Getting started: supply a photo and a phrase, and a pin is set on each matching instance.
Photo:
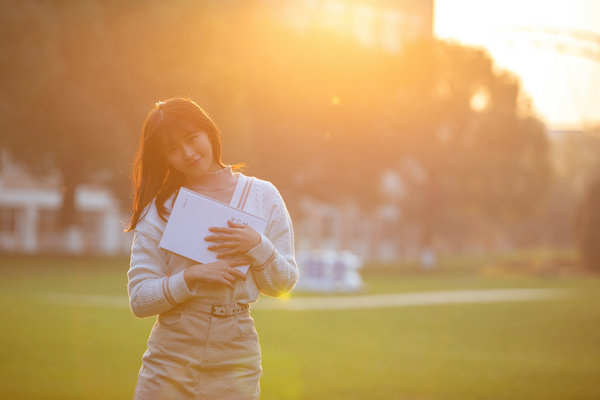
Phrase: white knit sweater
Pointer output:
(156, 281)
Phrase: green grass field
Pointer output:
(513, 350)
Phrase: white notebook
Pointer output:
(188, 224)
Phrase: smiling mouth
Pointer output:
(194, 163)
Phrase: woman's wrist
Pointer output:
(190, 276)
(255, 243)
(262, 251)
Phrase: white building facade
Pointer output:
(29, 215)
(379, 235)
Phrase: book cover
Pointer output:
(188, 224)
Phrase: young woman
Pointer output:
(203, 345)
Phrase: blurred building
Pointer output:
(379, 235)
(29, 212)
(386, 24)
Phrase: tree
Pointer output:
(80, 77)
(333, 115)
(315, 113)
(60, 116)
(588, 227)
(476, 144)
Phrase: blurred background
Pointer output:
(446, 144)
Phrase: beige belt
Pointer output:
(220, 310)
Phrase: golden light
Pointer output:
(480, 100)
(561, 84)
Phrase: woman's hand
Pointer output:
(233, 242)
(222, 272)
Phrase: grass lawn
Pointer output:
(514, 350)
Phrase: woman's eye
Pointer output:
(170, 150)
(193, 137)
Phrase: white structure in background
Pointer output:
(322, 225)
(29, 210)
(329, 271)
(380, 234)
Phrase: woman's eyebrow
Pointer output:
(168, 143)
(174, 137)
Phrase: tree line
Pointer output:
(317, 114)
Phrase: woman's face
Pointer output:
(189, 153)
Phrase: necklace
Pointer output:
(221, 171)
(213, 182)
(197, 188)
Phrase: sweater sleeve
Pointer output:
(274, 266)
(151, 290)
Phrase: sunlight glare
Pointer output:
(561, 85)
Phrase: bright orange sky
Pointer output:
(564, 87)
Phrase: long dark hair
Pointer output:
(152, 177)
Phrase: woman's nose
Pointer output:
(188, 151)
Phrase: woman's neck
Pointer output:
(212, 181)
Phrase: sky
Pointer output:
(533, 38)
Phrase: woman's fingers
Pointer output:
(235, 225)
(227, 283)
(222, 238)
(221, 246)
(238, 237)
(219, 229)
(223, 272)
(232, 275)
(225, 234)
(216, 238)
(232, 227)
(238, 261)
(239, 274)
(228, 254)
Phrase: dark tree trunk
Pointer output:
(71, 178)
(429, 215)
(588, 228)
